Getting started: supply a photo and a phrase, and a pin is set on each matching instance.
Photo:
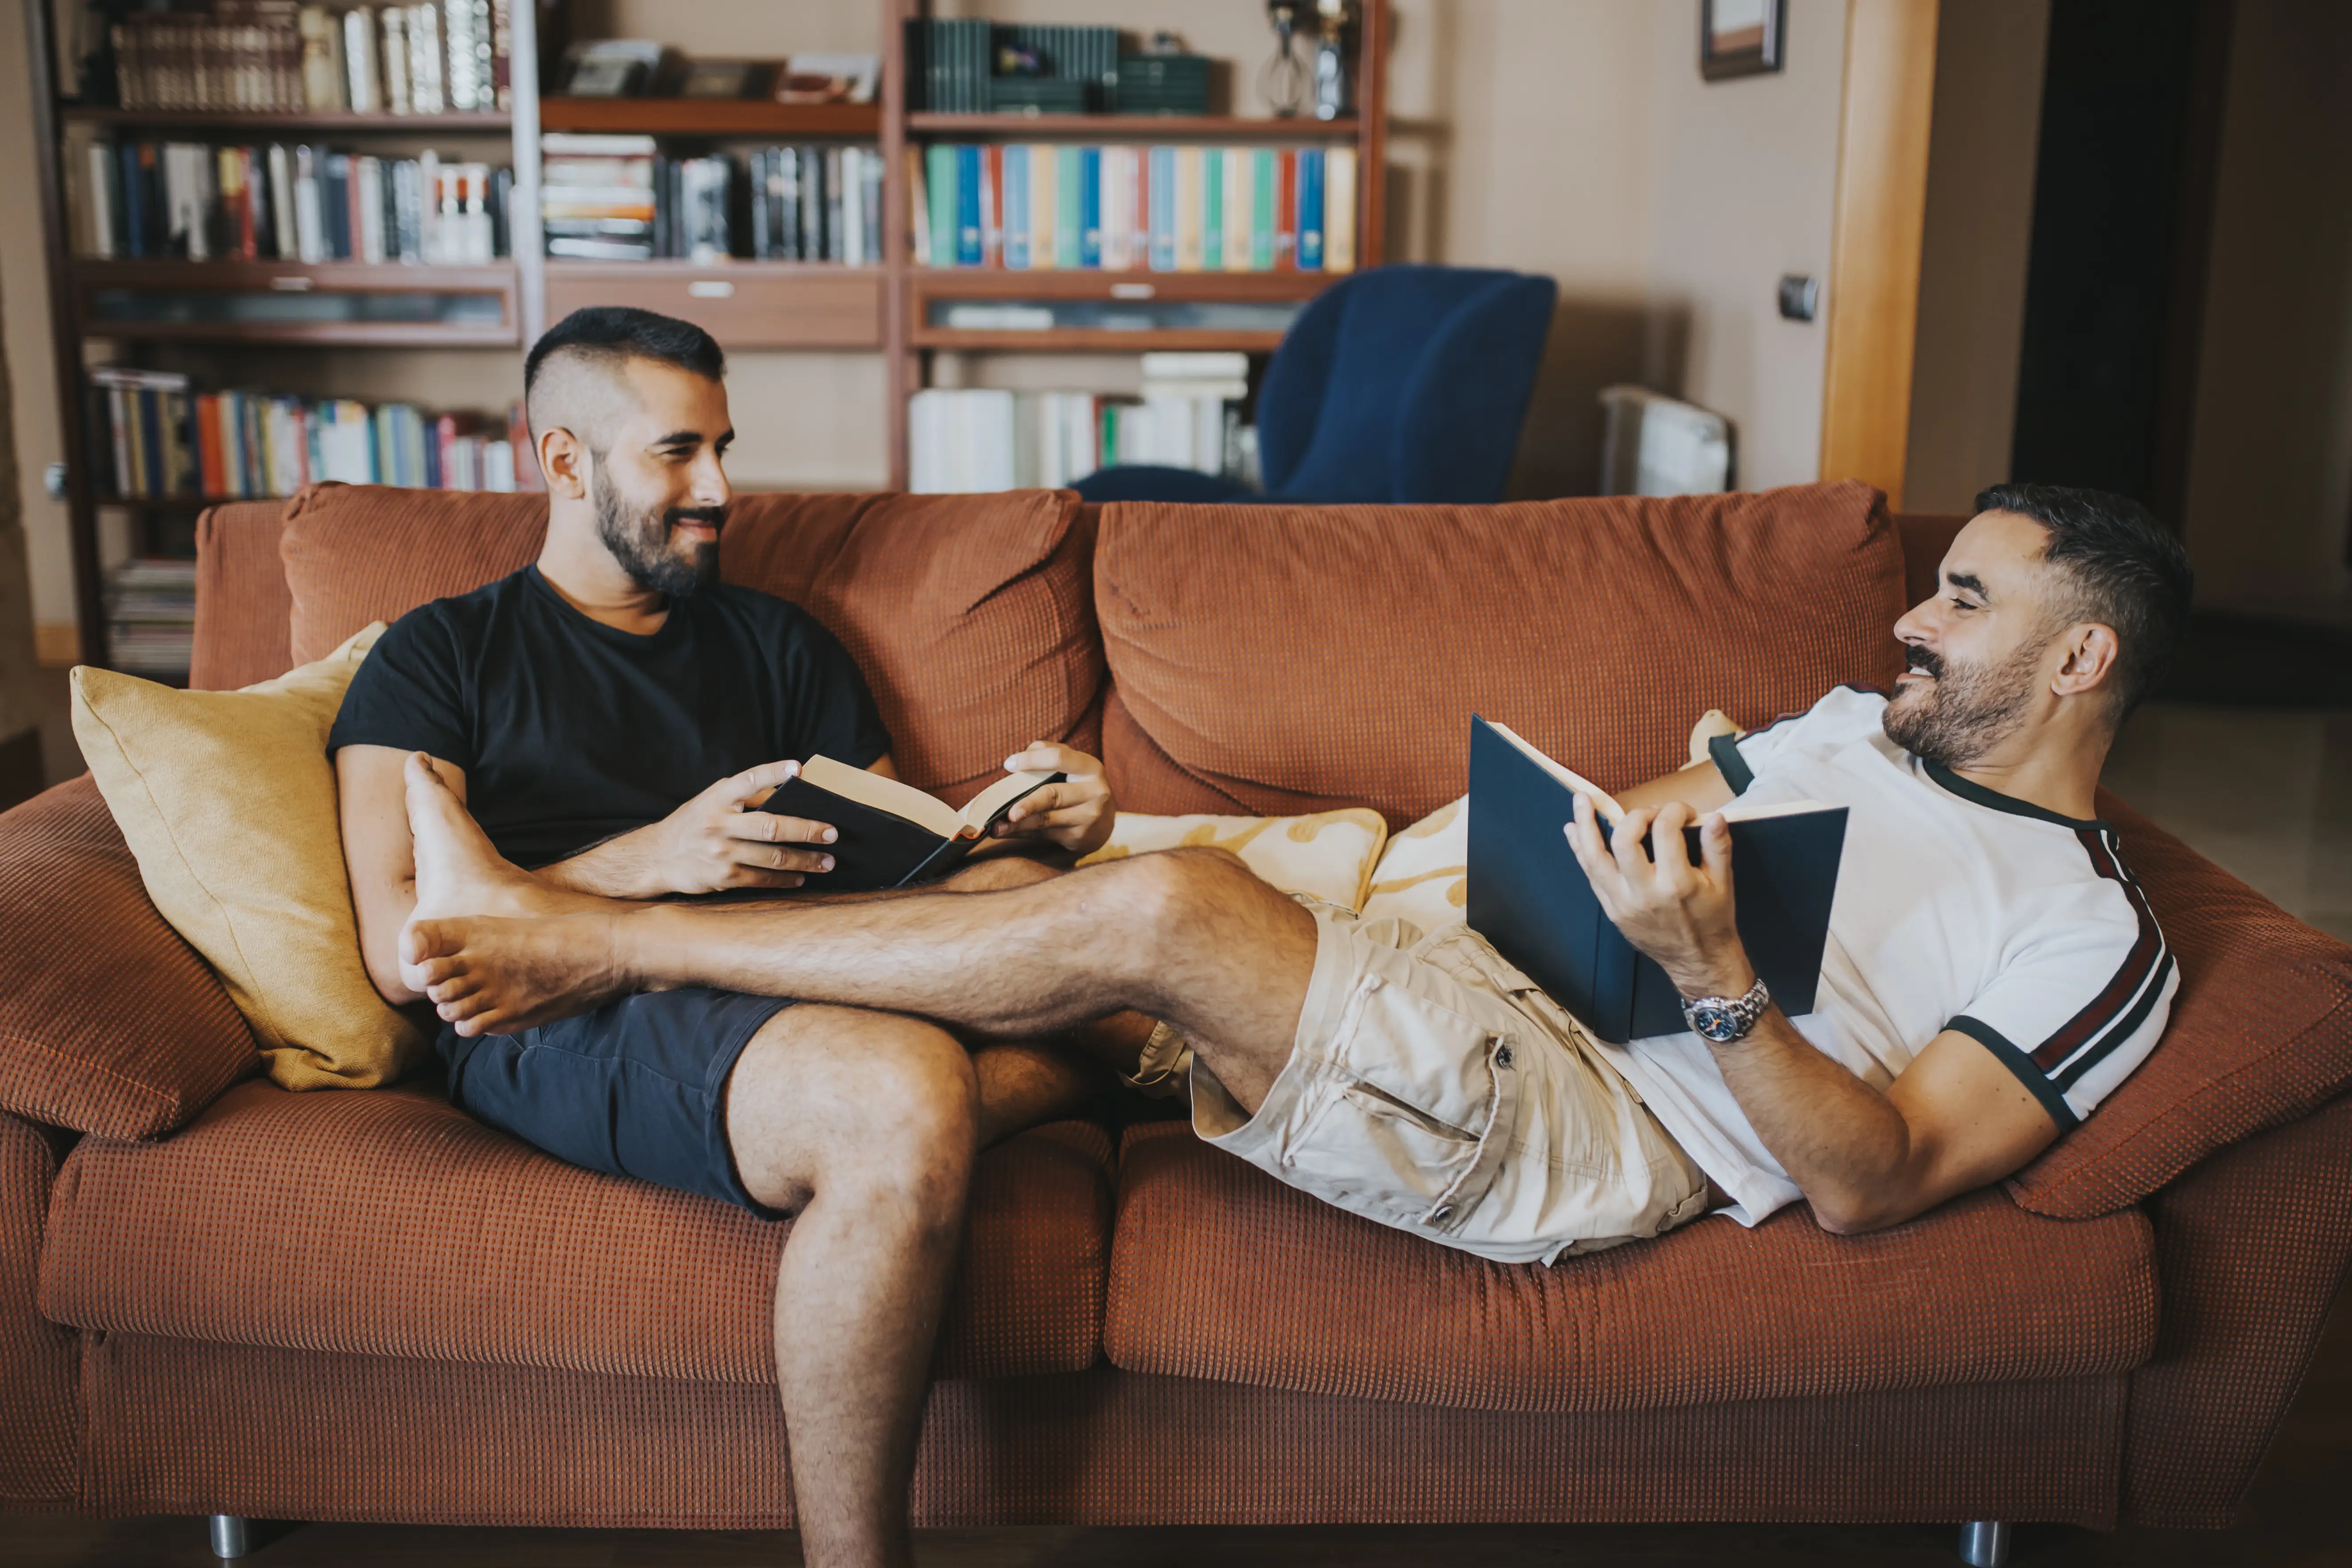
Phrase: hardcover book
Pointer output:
(1532, 901)
(890, 834)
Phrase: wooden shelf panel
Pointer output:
(317, 121)
(315, 334)
(407, 277)
(1134, 127)
(1090, 339)
(743, 304)
(709, 117)
(998, 283)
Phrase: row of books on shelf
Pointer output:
(150, 615)
(277, 203)
(164, 438)
(976, 439)
(1122, 209)
(450, 57)
(616, 198)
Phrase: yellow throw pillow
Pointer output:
(1423, 877)
(1328, 856)
(228, 801)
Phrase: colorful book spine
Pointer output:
(1089, 249)
(1339, 210)
(1213, 209)
(1161, 209)
(1189, 161)
(1310, 210)
(1285, 211)
(1238, 205)
(1264, 194)
(966, 208)
(1044, 205)
(939, 186)
(1018, 227)
(991, 205)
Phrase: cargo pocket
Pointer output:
(1417, 1111)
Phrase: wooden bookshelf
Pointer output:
(1019, 127)
(312, 122)
(714, 118)
(746, 304)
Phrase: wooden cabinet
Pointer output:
(744, 305)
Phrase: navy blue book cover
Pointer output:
(1529, 898)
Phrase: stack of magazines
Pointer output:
(150, 615)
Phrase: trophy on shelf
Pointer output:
(1282, 80)
(1333, 20)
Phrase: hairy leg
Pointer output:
(1189, 935)
(863, 1124)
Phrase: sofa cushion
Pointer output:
(972, 616)
(1219, 1271)
(1328, 856)
(110, 1022)
(229, 803)
(244, 610)
(2260, 1034)
(1288, 659)
(387, 1222)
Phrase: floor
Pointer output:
(2265, 793)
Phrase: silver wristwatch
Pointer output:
(1722, 1021)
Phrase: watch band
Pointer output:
(1724, 1020)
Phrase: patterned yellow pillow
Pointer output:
(1328, 856)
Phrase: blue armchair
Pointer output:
(1402, 384)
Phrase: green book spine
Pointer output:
(939, 185)
(1261, 241)
(1068, 208)
(1213, 209)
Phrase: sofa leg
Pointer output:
(232, 1536)
(1984, 1544)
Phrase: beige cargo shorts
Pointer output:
(1435, 1088)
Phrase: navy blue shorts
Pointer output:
(637, 1087)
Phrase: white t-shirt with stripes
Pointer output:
(1956, 908)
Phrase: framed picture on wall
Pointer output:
(1741, 38)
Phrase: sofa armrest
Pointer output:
(40, 1400)
(2252, 1248)
(110, 1023)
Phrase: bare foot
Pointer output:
(457, 870)
(487, 975)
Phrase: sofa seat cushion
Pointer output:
(1276, 660)
(972, 616)
(1219, 1271)
(2260, 1034)
(387, 1222)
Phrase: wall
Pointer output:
(25, 316)
(1743, 188)
(1988, 117)
(2270, 472)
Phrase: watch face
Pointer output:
(1714, 1023)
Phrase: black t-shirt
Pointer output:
(570, 731)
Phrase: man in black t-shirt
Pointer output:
(611, 716)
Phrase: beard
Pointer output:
(1969, 708)
(640, 540)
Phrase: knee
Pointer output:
(1177, 891)
(909, 1126)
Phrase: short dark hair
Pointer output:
(2127, 571)
(623, 332)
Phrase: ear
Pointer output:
(566, 462)
(2089, 651)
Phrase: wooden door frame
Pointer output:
(1875, 241)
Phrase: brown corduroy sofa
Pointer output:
(220, 1297)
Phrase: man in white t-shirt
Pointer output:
(1992, 970)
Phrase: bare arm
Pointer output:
(379, 856)
(1953, 1121)
(1700, 786)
